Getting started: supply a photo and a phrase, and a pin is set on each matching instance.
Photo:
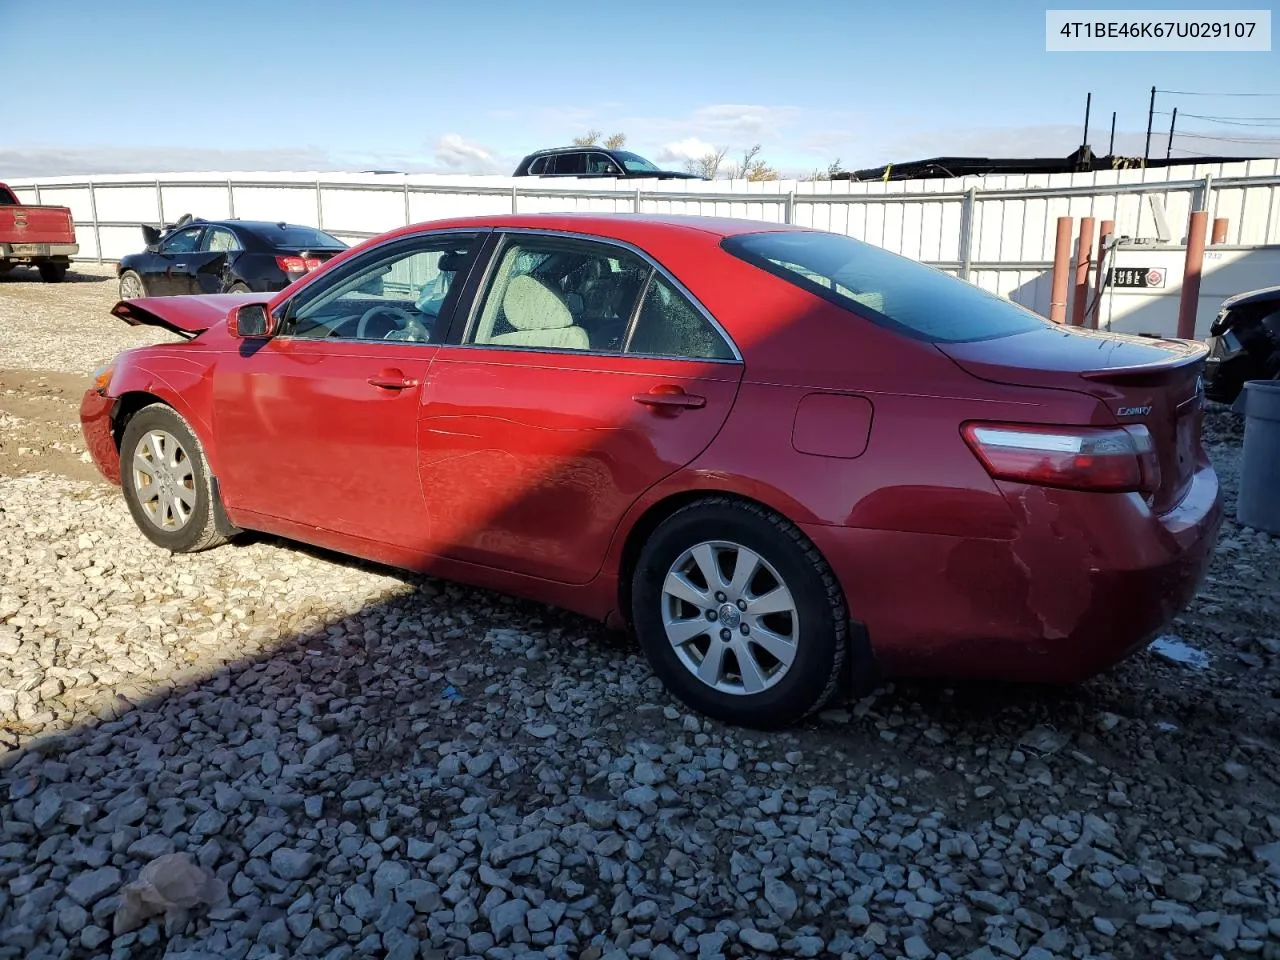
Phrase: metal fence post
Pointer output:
(1206, 192)
(160, 204)
(636, 203)
(319, 208)
(514, 194)
(967, 212)
(93, 211)
(789, 208)
(231, 199)
(407, 219)
(37, 186)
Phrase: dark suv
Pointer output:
(594, 162)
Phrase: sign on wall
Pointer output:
(1136, 277)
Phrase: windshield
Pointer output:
(883, 287)
(294, 237)
(634, 162)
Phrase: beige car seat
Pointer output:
(540, 318)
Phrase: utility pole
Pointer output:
(1151, 115)
(1088, 100)
(1169, 151)
(1111, 146)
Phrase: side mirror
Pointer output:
(251, 321)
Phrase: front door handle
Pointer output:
(670, 399)
(392, 380)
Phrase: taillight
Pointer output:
(298, 264)
(1102, 459)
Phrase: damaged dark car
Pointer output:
(1244, 343)
(223, 256)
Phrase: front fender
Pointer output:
(184, 384)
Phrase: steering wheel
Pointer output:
(412, 328)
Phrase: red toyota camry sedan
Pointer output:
(782, 457)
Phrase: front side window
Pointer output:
(405, 293)
(184, 241)
(598, 163)
(888, 289)
(556, 294)
(537, 165)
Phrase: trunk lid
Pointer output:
(1156, 383)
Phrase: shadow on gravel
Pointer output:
(32, 276)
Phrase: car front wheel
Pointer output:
(131, 286)
(739, 614)
(166, 481)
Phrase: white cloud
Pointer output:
(465, 157)
(690, 148)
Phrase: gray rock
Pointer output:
(91, 886)
(506, 917)
(782, 898)
(759, 941)
(289, 863)
(522, 846)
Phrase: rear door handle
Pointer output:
(392, 380)
(670, 400)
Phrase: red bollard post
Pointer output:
(1219, 230)
(1061, 264)
(1084, 259)
(1190, 299)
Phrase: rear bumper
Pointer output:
(33, 251)
(1083, 585)
(95, 424)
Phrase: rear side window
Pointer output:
(293, 237)
(538, 165)
(571, 164)
(887, 289)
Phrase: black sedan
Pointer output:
(223, 256)
(1244, 343)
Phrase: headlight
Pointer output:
(102, 378)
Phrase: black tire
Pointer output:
(52, 272)
(821, 636)
(238, 287)
(199, 531)
(128, 278)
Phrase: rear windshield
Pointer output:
(888, 289)
(293, 237)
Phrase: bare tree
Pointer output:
(588, 139)
(752, 168)
(832, 171)
(707, 165)
(616, 142)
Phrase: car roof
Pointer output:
(576, 149)
(617, 226)
(250, 224)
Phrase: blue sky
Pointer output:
(470, 87)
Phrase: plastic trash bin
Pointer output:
(1258, 503)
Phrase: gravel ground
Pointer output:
(267, 751)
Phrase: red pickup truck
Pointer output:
(40, 237)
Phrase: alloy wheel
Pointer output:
(730, 617)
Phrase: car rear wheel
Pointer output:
(52, 272)
(739, 614)
(131, 286)
(238, 288)
(166, 481)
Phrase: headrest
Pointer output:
(452, 261)
(531, 306)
